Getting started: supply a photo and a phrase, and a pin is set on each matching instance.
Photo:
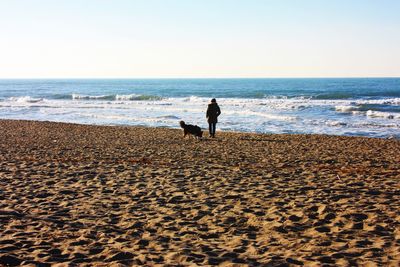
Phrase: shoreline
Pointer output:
(205, 131)
(101, 195)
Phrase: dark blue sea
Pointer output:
(335, 106)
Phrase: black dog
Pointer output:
(191, 129)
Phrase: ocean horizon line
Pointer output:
(196, 78)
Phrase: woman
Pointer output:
(213, 111)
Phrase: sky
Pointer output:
(199, 38)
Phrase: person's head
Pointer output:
(213, 100)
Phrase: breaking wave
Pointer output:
(25, 99)
(130, 97)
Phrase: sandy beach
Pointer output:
(101, 195)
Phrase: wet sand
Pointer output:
(98, 195)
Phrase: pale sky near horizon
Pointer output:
(199, 38)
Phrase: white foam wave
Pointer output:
(355, 112)
(345, 108)
(136, 97)
(117, 97)
(336, 123)
(380, 114)
(126, 97)
(25, 99)
(87, 97)
(261, 115)
(388, 101)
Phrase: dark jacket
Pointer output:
(213, 111)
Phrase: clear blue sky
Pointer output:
(199, 38)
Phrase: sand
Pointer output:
(101, 195)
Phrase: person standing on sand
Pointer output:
(213, 111)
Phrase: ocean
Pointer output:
(335, 106)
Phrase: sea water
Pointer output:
(335, 106)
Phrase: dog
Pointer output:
(191, 129)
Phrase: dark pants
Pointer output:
(211, 128)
